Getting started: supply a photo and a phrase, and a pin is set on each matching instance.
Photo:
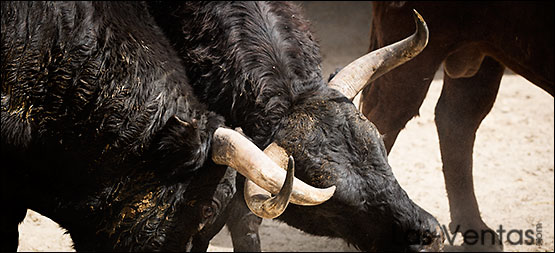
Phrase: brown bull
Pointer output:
(475, 41)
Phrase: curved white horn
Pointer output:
(261, 203)
(364, 70)
(234, 150)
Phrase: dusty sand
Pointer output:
(513, 155)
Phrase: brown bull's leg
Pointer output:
(242, 223)
(395, 98)
(463, 104)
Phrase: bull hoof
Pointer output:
(481, 239)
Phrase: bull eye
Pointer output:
(208, 211)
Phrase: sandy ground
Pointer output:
(513, 155)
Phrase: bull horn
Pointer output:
(261, 203)
(281, 158)
(364, 70)
(234, 150)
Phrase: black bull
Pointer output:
(257, 64)
(93, 135)
(93, 100)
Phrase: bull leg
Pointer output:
(10, 227)
(463, 104)
(14, 210)
(243, 224)
(201, 241)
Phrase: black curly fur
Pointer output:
(100, 130)
(256, 67)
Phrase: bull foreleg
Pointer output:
(12, 188)
(463, 104)
(201, 241)
(243, 224)
(10, 227)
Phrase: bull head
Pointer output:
(271, 86)
(329, 134)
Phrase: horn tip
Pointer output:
(291, 162)
(421, 27)
(417, 14)
(331, 190)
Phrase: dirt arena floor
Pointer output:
(513, 155)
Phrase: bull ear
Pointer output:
(364, 70)
(234, 150)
